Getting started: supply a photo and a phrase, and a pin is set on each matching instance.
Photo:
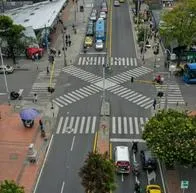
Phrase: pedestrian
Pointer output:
(37, 56)
(35, 98)
(66, 37)
(69, 43)
(47, 70)
(69, 36)
(154, 104)
(41, 124)
(59, 53)
(33, 57)
(132, 79)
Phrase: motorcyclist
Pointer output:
(137, 187)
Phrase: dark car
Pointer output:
(149, 161)
(90, 31)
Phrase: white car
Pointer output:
(7, 69)
(116, 3)
(102, 15)
(99, 45)
(93, 16)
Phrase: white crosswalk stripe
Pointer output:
(77, 125)
(132, 96)
(88, 125)
(82, 74)
(114, 61)
(172, 93)
(76, 95)
(40, 86)
(128, 125)
(126, 76)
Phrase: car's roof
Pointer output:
(99, 41)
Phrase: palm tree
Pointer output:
(10, 187)
(98, 174)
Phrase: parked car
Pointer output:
(93, 16)
(149, 161)
(104, 7)
(8, 69)
(88, 42)
(116, 3)
(102, 14)
(90, 31)
(99, 45)
(153, 189)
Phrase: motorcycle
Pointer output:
(134, 147)
(135, 170)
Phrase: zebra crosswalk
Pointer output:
(128, 125)
(132, 96)
(172, 93)
(77, 124)
(82, 74)
(126, 76)
(40, 86)
(101, 60)
(76, 95)
(89, 125)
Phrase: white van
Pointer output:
(122, 159)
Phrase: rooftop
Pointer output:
(38, 15)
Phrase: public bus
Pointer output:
(100, 29)
(189, 75)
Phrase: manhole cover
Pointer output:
(13, 156)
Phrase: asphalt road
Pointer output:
(67, 154)
(122, 37)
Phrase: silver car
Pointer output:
(99, 45)
(8, 69)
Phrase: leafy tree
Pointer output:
(98, 174)
(10, 187)
(13, 35)
(180, 23)
(172, 137)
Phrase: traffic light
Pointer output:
(160, 94)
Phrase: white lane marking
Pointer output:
(162, 178)
(119, 125)
(142, 123)
(59, 125)
(65, 125)
(76, 124)
(46, 156)
(131, 125)
(62, 187)
(125, 124)
(136, 125)
(93, 125)
(72, 144)
(126, 140)
(82, 124)
(58, 104)
(113, 125)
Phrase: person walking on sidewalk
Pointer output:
(69, 43)
(47, 70)
(154, 104)
(35, 98)
(69, 37)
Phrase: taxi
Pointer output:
(153, 189)
(88, 41)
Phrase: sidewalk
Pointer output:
(14, 142)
